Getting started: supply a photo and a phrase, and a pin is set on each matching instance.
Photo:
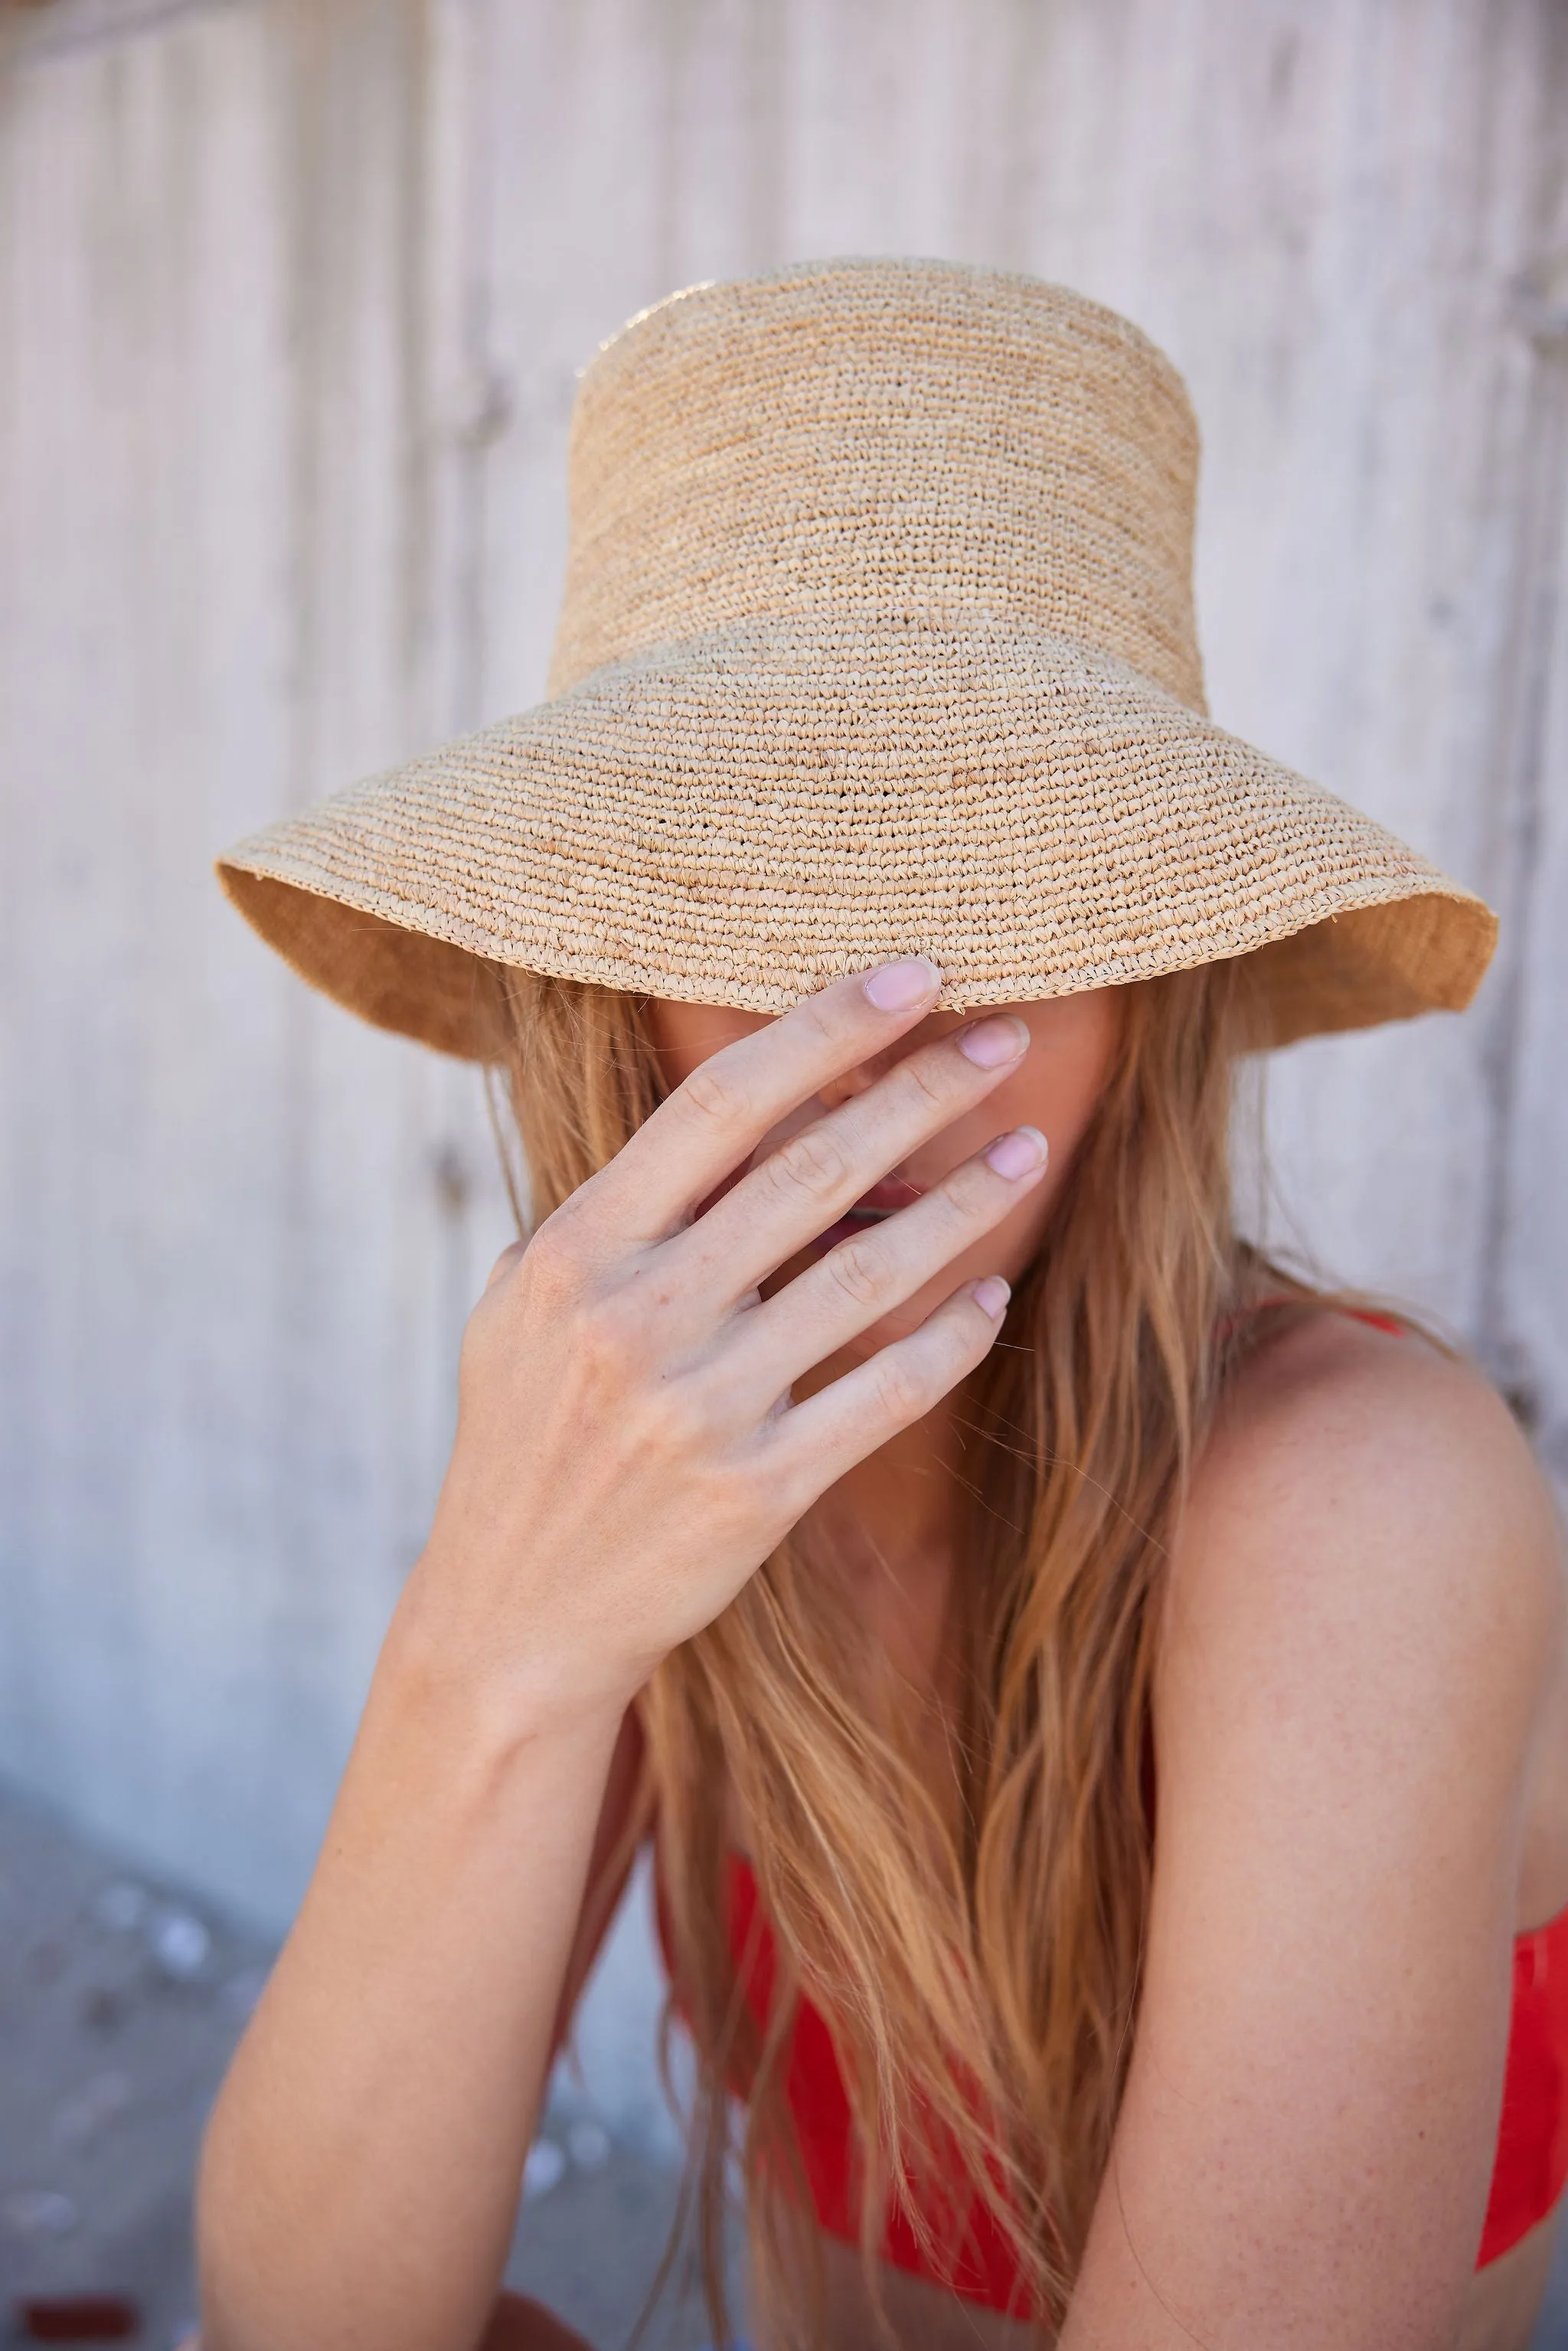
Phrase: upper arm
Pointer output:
(1362, 1604)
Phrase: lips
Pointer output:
(883, 1199)
(892, 1192)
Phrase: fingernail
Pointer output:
(1018, 1153)
(991, 1295)
(989, 1043)
(899, 987)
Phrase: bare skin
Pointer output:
(1362, 1722)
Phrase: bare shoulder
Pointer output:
(1368, 1502)
(1359, 1662)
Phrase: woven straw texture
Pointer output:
(877, 639)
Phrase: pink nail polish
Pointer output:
(1018, 1153)
(900, 987)
(991, 1295)
(991, 1043)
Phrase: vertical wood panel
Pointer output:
(237, 1249)
(1527, 1294)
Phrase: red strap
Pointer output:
(1395, 1328)
(1531, 2168)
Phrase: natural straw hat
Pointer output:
(878, 638)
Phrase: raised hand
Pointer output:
(628, 1450)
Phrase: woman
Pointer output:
(1102, 1738)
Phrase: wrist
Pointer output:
(477, 1684)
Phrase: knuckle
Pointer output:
(810, 1162)
(816, 1019)
(901, 1391)
(679, 1420)
(610, 1340)
(924, 1077)
(555, 1262)
(859, 1270)
(511, 1257)
(717, 1093)
(968, 1190)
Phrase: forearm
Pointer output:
(622, 1468)
(361, 2172)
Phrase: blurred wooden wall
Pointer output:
(292, 293)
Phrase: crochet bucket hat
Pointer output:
(877, 639)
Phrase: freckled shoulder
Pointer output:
(1353, 1680)
(1360, 1486)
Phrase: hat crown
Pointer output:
(882, 440)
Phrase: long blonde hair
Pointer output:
(975, 1937)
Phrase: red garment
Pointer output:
(1529, 2175)
(980, 2263)
(1531, 2166)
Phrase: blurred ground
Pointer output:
(120, 2002)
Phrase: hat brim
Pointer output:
(738, 818)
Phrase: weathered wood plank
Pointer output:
(240, 1232)
(1527, 1270)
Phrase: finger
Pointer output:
(822, 1438)
(716, 1118)
(867, 1276)
(805, 1186)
